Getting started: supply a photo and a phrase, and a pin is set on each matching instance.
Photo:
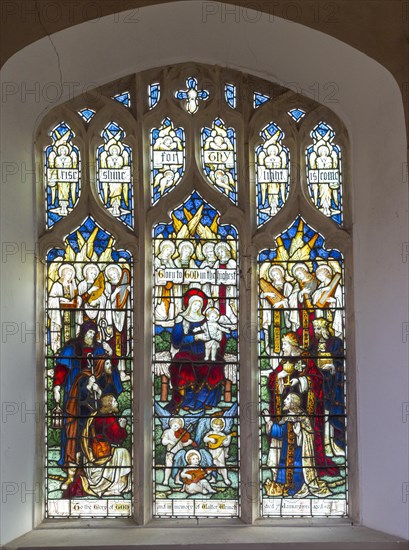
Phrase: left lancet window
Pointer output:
(88, 376)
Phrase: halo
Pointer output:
(115, 268)
(195, 292)
(62, 267)
(278, 268)
(169, 243)
(208, 245)
(221, 245)
(296, 266)
(191, 453)
(87, 267)
(180, 421)
(219, 419)
(324, 267)
(188, 244)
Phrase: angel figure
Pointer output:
(271, 155)
(195, 472)
(114, 156)
(216, 433)
(63, 162)
(167, 158)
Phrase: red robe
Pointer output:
(312, 402)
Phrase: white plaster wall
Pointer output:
(369, 103)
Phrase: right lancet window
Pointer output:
(302, 376)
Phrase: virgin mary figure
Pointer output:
(196, 383)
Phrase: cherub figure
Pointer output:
(194, 476)
(175, 438)
(218, 442)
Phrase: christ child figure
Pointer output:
(211, 333)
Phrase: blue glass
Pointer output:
(230, 95)
(272, 173)
(167, 158)
(192, 95)
(62, 174)
(219, 158)
(324, 174)
(153, 95)
(124, 98)
(296, 114)
(114, 174)
(259, 99)
(86, 114)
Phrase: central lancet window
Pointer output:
(181, 207)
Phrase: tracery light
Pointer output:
(218, 145)
(324, 175)
(114, 174)
(62, 163)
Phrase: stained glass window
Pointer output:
(153, 94)
(114, 174)
(302, 376)
(259, 99)
(62, 174)
(195, 367)
(124, 98)
(272, 173)
(86, 114)
(230, 95)
(88, 376)
(187, 198)
(167, 158)
(296, 114)
(324, 175)
(219, 158)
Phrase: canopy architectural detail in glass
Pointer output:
(302, 376)
(192, 95)
(272, 173)
(167, 158)
(114, 174)
(62, 172)
(195, 364)
(323, 159)
(219, 158)
(88, 367)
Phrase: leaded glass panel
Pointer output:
(114, 174)
(272, 173)
(324, 174)
(219, 158)
(195, 368)
(62, 174)
(88, 376)
(167, 158)
(302, 376)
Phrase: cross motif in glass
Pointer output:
(192, 95)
